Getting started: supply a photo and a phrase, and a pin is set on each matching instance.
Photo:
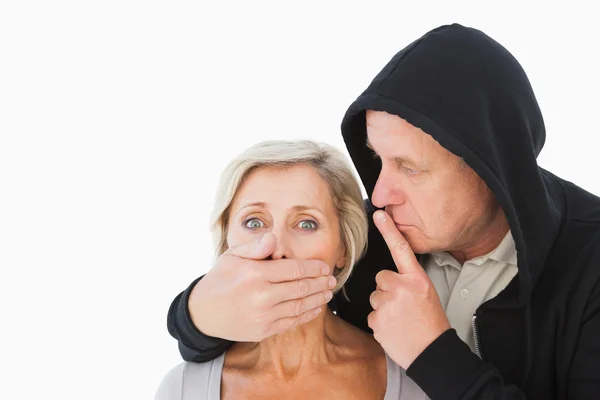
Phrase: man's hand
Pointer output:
(408, 315)
(245, 298)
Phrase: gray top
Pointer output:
(462, 288)
(202, 381)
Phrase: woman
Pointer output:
(305, 195)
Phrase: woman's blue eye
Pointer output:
(307, 225)
(254, 223)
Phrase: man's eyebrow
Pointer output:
(398, 159)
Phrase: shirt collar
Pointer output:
(506, 252)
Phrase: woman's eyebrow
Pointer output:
(296, 208)
(300, 208)
(259, 204)
(255, 204)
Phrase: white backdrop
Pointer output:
(116, 118)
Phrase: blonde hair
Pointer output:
(331, 166)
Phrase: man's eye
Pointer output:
(410, 171)
(253, 223)
(307, 225)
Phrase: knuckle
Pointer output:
(299, 307)
(372, 298)
(261, 299)
(323, 299)
(400, 245)
(371, 320)
(423, 285)
(302, 288)
(261, 322)
(298, 270)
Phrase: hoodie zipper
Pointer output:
(476, 337)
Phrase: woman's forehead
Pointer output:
(299, 187)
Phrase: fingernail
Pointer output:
(328, 296)
(379, 216)
(326, 269)
(332, 282)
(317, 311)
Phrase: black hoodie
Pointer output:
(540, 337)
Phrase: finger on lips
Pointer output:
(403, 256)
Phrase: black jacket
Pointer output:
(540, 337)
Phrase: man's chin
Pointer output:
(416, 243)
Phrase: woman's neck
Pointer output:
(296, 351)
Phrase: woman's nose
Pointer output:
(281, 245)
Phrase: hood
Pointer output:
(472, 96)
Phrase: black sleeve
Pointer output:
(447, 369)
(193, 344)
(584, 376)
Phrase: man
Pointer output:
(482, 276)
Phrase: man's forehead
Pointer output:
(385, 120)
(420, 148)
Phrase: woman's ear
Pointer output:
(341, 262)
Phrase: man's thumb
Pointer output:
(255, 250)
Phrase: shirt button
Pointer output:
(464, 293)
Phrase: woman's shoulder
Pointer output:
(171, 385)
(190, 380)
(400, 385)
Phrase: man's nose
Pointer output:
(386, 192)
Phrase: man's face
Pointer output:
(437, 202)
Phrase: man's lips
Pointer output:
(401, 226)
